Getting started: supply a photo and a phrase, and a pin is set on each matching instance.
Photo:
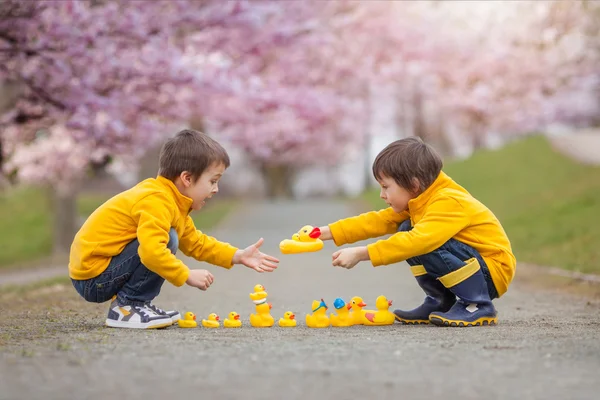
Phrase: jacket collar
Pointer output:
(184, 203)
(440, 182)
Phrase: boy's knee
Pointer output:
(405, 226)
(173, 244)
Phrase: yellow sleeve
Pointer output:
(194, 243)
(153, 216)
(365, 226)
(443, 219)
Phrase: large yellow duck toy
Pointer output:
(212, 321)
(343, 314)
(306, 240)
(188, 320)
(318, 318)
(382, 316)
(232, 320)
(262, 318)
(288, 320)
(357, 314)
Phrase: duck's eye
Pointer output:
(305, 231)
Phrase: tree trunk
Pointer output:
(65, 223)
(279, 180)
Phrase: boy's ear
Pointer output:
(186, 178)
(416, 185)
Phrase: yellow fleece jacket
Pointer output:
(443, 211)
(146, 212)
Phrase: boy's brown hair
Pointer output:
(407, 159)
(190, 151)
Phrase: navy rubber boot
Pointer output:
(438, 299)
(474, 306)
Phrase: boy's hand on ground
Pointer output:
(348, 258)
(325, 233)
(253, 258)
(200, 278)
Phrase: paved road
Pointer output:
(547, 346)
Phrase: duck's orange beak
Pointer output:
(349, 306)
(362, 304)
(292, 316)
(217, 318)
(315, 233)
(236, 317)
(270, 306)
(389, 302)
(194, 317)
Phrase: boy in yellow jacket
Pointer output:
(456, 247)
(126, 248)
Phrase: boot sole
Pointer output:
(483, 321)
(413, 321)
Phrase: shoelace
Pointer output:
(155, 309)
(144, 311)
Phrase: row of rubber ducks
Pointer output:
(352, 313)
(232, 320)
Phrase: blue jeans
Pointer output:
(125, 277)
(448, 258)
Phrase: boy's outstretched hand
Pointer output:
(253, 258)
(348, 258)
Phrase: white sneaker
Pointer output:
(135, 317)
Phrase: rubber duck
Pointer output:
(343, 314)
(382, 316)
(357, 313)
(212, 321)
(232, 320)
(318, 318)
(288, 320)
(260, 295)
(305, 240)
(188, 320)
(262, 318)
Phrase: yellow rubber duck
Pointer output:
(260, 295)
(382, 316)
(188, 320)
(262, 318)
(343, 314)
(212, 321)
(232, 320)
(306, 240)
(288, 320)
(318, 318)
(357, 313)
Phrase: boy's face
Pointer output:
(394, 195)
(205, 187)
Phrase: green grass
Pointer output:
(548, 204)
(26, 216)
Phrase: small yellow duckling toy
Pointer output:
(212, 321)
(382, 316)
(260, 295)
(318, 319)
(343, 317)
(188, 321)
(357, 313)
(306, 240)
(262, 318)
(288, 320)
(232, 321)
